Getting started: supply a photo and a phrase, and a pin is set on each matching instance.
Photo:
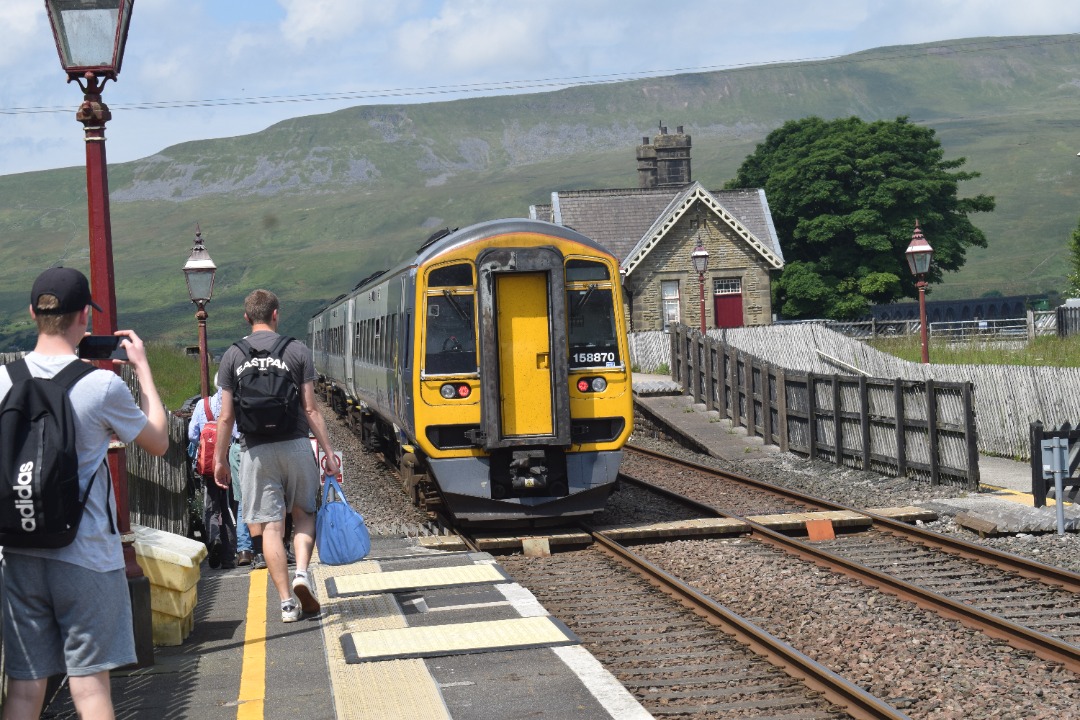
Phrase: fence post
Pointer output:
(811, 414)
(931, 424)
(901, 436)
(733, 380)
(838, 424)
(864, 421)
(1038, 484)
(748, 388)
(722, 360)
(1030, 324)
(710, 374)
(971, 437)
(766, 404)
(781, 408)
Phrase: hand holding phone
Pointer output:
(101, 347)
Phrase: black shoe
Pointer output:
(214, 558)
(258, 562)
(290, 558)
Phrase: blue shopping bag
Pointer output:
(340, 533)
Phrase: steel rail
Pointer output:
(1018, 636)
(1025, 567)
(839, 691)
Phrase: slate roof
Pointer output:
(628, 222)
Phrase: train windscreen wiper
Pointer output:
(457, 308)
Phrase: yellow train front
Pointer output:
(493, 366)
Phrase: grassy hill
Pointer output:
(311, 205)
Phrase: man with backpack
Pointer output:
(66, 608)
(268, 390)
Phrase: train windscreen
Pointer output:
(451, 334)
(591, 327)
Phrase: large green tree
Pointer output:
(845, 195)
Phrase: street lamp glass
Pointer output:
(199, 273)
(700, 258)
(90, 34)
(918, 256)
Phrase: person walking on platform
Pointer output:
(222, 527)
(268, 390)
(66, 610)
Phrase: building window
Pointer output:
(727, 286)
(669, 292)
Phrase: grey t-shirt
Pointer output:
(297, 358)
(103, 406)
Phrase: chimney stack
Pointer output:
(666, 161)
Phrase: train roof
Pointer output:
(444, 240)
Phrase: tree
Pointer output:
(845, 195)
(1073, 289)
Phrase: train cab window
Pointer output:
(585, 270)
(591, 327)
(451, 276)
(451, 333)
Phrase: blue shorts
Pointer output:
(275, 477)
(63, 618)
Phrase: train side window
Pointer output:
(591, 327)
(586, 271)
(458, 275)
(450, 334)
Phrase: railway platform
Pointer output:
(1004, 504)
(412, 632)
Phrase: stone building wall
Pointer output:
(729, 256)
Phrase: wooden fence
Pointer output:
(159, 488)
(924, 429)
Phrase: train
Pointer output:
(492, 367)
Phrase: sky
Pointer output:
(197, 69)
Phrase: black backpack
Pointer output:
(266, 399)
(40, 505)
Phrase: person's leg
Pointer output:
(91, 695)
(273, 535)
(303, 537)
(212, 523)
(24, 699)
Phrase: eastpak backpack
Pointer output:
(40, 504)
(266, 398)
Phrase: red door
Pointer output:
(728, 310)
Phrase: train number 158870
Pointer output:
(592, 358)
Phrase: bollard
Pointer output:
(1055, 452)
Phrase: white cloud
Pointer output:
(310, 22)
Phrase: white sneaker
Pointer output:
(305, 595)
(291, 612)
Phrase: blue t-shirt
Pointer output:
(103, 407)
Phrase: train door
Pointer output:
(525, 399)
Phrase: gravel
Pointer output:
(862, 489)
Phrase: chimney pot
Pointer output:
(645, 140)
(663, 130)
(679, 129)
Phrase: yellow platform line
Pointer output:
(253, 670)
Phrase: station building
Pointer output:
(654, 228)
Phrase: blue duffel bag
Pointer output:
(340, 533)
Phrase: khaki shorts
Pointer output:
(277, 477)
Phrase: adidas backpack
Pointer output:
(266, 399)
(204, 457)
(40, 504)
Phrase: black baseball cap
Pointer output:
(68, 285)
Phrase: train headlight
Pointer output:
(599, 384)
(448, 391)
(593, 384)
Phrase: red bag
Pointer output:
(204, 459)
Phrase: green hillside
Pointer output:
(311, 205)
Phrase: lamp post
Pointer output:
(700, 258)
(90, 36)
(199, 273)
(918, 255)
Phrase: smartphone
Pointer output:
(101, 347)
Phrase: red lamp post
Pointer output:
(700, 258)
(199, 273)
(918, 255)
(90, 36)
